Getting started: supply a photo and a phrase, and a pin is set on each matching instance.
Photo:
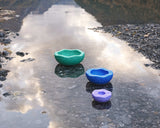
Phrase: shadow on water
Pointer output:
(69, 71)
(90, 87)
(101, 106)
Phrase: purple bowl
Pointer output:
(101, 95)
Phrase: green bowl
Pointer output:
(69, 57)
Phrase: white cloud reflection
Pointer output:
(65, 27)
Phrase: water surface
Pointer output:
(43, 99)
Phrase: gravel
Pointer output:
(20, 54)
(144, 38)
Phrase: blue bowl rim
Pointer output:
(88, 72)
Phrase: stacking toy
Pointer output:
(69, 57)
(101, 95)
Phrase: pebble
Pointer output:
(6, 41)
(2, 78)
(28, 60)
(2, 34)
(5, 53)
(20, 54)
(147, 65)
(143, 38)
(4, 72)
(9, 58)
(6, 94)
(43, 112)
(17, 34)
(1, 85)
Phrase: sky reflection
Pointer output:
(66, 101)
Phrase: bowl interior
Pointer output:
(101, 93)
(69, 52)
(100, 72)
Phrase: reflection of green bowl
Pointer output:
(69, 56)
(69, 71)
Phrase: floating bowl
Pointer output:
(101, 95)
(99, 75)
(69, 57)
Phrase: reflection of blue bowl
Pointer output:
(99, 75)
(90, 87)
(101, 95)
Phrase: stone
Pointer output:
(6, 41)
(2, 34)
(1, 85)
(2, 78)
(28, 60)
(20, 54)
(17, 34)
(4, 72)
(5, 53)
(6, 94)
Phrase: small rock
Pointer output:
(17, 34)
(2, 34)
(2, 78)
(6, 94)
(44, 112)
(4, 72)
(147, 65)
(43, 91)
(17, 16)
(1, 85)
(20, 54)
(6, 41)
(9, 58)
(5, 53)
(28, 60)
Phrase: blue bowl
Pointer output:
(99, 75)
(101, 95)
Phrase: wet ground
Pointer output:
(144, 38)
(135, 21)
(39, 93)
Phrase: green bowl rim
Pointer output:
(81, 53)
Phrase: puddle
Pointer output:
(66, 100)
